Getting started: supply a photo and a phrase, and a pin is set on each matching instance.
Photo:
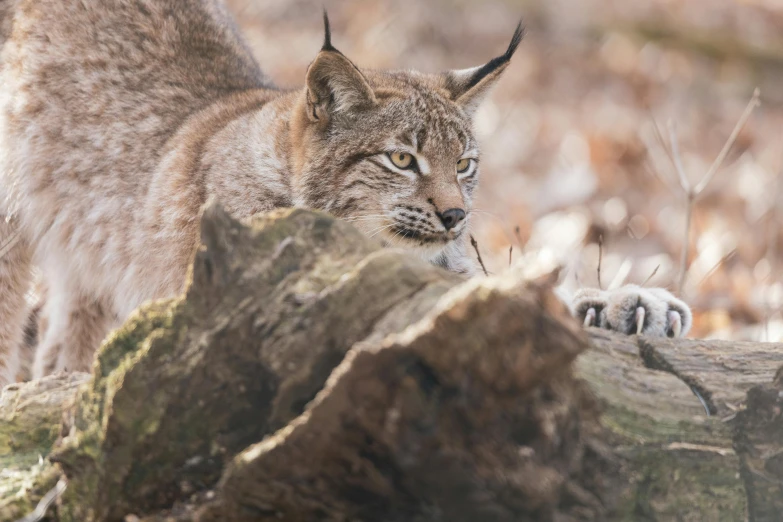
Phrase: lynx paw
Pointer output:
(632, 309)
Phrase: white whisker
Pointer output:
(363, 218)
(381, 229)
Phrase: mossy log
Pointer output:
(30, 420)
(307, 374)
(678, 458)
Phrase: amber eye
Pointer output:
(463, 165)
(402, 160)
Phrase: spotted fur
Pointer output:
(120, 118)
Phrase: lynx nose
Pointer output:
(452, 217)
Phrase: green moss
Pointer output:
(117, 358)
(643, 406)
(23, 484)
(680, 462)
(682, 485)
(637, 427)
(117, 355)
(15, 441)
(124, 411)
(123, 345)
(120, 413)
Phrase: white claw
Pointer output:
(590, 317)
(639, 320)
(675, 320)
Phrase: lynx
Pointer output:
(634, 310)
(120, 118)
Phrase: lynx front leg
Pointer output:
(35, 326)
(74, 330)
(15, 279)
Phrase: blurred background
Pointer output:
(569, 150)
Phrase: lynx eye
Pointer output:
(463, 165)
(402, 160)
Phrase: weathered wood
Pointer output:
(676, 463)
(309, 375)
(272, 309)
(721, 371)
(30, 416)
(450, 420)
(758, 440)
(37, 404)
(740, 446)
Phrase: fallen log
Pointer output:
(30, 418)
(307, 374)
(759, 444)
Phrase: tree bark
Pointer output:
(307, 374)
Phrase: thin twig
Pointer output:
(600, 259)
(717, 265)
(690, 192)
(686, 242)
(46, 502)
(752, 104)
(659, 137)
(651, 275)
(518, 235)
(621, 275)
(474, 243)
(654, 148)
(650, 168)
(677, 159)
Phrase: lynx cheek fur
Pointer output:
(120, 118)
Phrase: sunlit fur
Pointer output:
(619, 310)
(350, 175)
(119, 119)
(351, 120)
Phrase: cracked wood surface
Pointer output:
(676, 462)
(722, 371)
(726, 466)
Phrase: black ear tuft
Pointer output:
(327, 46)
(519, 34)
(489, 67)
(334, 83)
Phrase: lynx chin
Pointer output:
(119, 119)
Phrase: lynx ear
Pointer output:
(334, 83)
(468, 87)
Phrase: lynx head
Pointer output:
(392, 151)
